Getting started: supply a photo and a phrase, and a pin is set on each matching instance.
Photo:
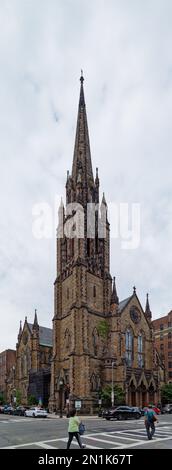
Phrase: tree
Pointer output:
(18, 397)
(32, 400)
(166, 393)
(106, 393)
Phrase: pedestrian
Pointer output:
(73, 429)
(150, 419)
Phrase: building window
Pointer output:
(169, 335)
(170, 374)
(129, 347)
(170, 365)
(169, 353)
(169, 324)
(170, 345)
(68, 293)
(94, 291)
(140, 351)
(161, 326)
(161, 347)
(161, 336)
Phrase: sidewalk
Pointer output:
(54, 416)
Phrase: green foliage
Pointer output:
(119, 395)
(103, 328)
(2, 401)
(32, 400)
(166, 393)
(18, 397)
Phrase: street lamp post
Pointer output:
(61, 397)
(112, 393)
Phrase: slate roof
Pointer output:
(123, 303)
(45, 335)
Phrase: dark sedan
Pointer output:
(19, 411)
(123, 412)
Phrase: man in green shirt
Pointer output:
(150, 419)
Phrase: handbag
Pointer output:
(81, 429)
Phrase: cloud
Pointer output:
(124, 49)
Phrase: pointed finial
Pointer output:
(35, 318)
(114, 297)
(97, 173)
(25, 319)
(104, 200)
(81, 77)
(148, 312)
(67, 174)
(134, 290)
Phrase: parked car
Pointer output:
(36, 412)
(19, 411)
(1, 408)
(123, 412)
(167, 408)
(8, 410)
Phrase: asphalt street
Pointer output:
(51, 433)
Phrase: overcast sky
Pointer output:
(124, 48)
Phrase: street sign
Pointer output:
(78, 404)
(100, 401)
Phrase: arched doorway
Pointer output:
(132, 391)
(142, 395)
(151, 394)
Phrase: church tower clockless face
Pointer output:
(135, 315)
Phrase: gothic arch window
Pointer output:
(140, 343)
(28, 359)
(22, 365)
(95, 338)
(93, 383)
(129, 349)
(94, 291)
(169, 335)
(67, 292)
(67, 339)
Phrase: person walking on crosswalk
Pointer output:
(73, 430)
(150, 419)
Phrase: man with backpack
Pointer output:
(150, 419)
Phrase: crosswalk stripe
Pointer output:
(46, 446)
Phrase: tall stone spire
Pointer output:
(35, 324)
(114, 297)
(148, 312)
(82, 167)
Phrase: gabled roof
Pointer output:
(45, 335)
(123, 303)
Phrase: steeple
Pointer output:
(82, 166)
(114, 297)
(148, 312)
(35, 324)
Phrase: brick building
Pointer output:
(163, 341)
(95, 335)
(7, 364)
(33, 356)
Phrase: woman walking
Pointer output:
(73, 430)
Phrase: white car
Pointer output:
(36, 412)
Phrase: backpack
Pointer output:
(151, 417)
(81, 429)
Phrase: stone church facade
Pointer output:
(33, 358)
(95, 335)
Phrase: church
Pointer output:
(33, 358)
(95, 336)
